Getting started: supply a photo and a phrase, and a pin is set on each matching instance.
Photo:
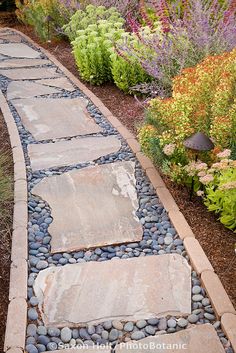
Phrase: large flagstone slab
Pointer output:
(28, 89)
(47, 118)
(198, 339)
(18, 50)
(29, 73)
(128, 289)
(92, 207)
(64, 153)
(61, 82)
(15, 63)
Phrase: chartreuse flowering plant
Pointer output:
(89, 16)
(217, 185)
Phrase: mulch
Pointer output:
(217, 241)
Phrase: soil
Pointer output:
(6, 213)
(217, 241)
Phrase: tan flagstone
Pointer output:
(29, 73)
(61, 82)
(92, 207)
(47, 118)
(64, 153)
(128, 289)
(14, 38)
(84, 349)
(198, 339)
(18, 50)
(16, 63)
(27, 89)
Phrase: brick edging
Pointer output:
(216, 292)
(17, 308)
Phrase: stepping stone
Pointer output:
(27, 89)
(64, 153)
(128, 289)
(14, 38)
(14, 63)
(18, 50)
(198, 339)
(30, 74)
(92, 207)
(61, 82)
(48, 118)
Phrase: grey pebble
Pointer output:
(66, 334)
(107, 325)
(153, 322)
(51, 346)
(129, 326)
(141, 323)
(196, 290)
(30, 348)
(117, 325)
(31, 330)
(197, 297)
(113, 335)
(171, 323)
(162, 326)
(34, 301)
(41, 330)
(150, 330)
(193, 318)
(32, 314)
(209, 316)
(137, 335)
(41, 265)
(54, 332)
(182, 322)
(205, 301)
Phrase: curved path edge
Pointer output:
(16, 323)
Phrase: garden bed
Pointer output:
(216, 240)
(6, 212)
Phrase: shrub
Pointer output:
(46, 16)
(91, 15)
(126, 70)
(199, 29)
(217, 185)
(203, 100)
(92, 50)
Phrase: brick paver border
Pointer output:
(197, 256)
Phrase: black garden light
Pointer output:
(48, 19)
(198, 142)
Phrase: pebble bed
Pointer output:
(159, 237)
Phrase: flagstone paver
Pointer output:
(28, 89)
(43, 156)
(55, 118)
(199, 339)
(92, 207)
(29, 73)
(15, 63)
(14, 38)
(61, 82)
(130, 289)
(18, 50)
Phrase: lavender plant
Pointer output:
(199, 29)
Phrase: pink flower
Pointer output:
(169, 149)
(224, 154)
(200, 193)
(206, 179)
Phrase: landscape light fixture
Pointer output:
(198, 142)
(48, 19)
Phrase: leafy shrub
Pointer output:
(126, 70)
(199, 29)
(46, 16)
(203, 100)
(217, 185)
(124, 7)
(92, 50)
(91, 15)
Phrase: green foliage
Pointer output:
(47, 17)
(126, 70)
(91, 15)
(92, 49)
(6, 191)
(221, 196)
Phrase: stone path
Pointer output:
(106, 266)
